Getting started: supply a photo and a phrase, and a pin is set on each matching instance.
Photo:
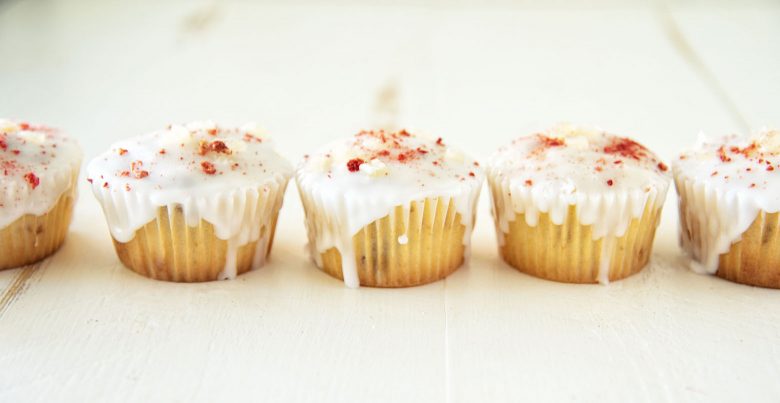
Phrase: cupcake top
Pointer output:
(379, 170)
(571, 160)
(194, 165)
(745, 166)
(37, 165)
(609, 178)
(190, 160)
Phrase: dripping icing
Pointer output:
(38, 164)
(229, 177)
(358, 180)
(609, 179)
(726, 182)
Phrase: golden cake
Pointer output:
(729, 199)
(389, 209)
(39, 168)
(576, 205)
(195, 202)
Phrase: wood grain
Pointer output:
(17, 286)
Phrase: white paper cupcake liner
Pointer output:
(711, 221)
(608, 216)
(239, 217)
(334, 223)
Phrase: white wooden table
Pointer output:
(80, 327)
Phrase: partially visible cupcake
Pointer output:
(729, 197)
(191, 203)
(389, 209)
(576, 205)
(39, 168)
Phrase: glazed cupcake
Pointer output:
(729, 199)
(576, 205)
(191, 203)
(389, 209)
(39, 168)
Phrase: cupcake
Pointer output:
(39, 169)
(729, 198)
(389, 209)
(191, 203)
(576, 205)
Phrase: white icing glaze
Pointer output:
(609, 179)
(726, 183)
(37, 165)
(229, 177)
(397, 169)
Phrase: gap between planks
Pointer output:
(686, 51)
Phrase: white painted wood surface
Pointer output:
(80, 327)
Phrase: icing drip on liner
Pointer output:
(609, 214)
(230, 178)
(38, 164)
(347, 215)
(726, 183)
(238, 216)
(353, 182)
(609, 179)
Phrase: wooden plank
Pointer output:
(92, 330)
(649, 338)
(742, 52)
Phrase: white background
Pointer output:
(80, 327)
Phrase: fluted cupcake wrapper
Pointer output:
(32, 238)
(169, 248)
(755, 259)
(415, 244)
(568, 252)
(750, 256)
